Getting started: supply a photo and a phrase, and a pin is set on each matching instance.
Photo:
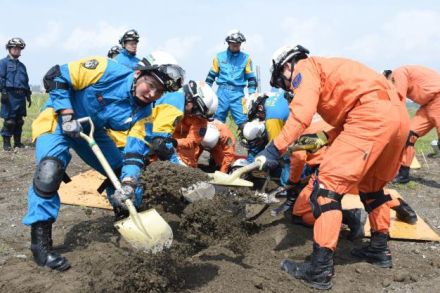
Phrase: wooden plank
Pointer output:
(81, 191)
(398, 230)
(415, 164)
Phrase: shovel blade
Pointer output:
(220, 178)
(157, 236)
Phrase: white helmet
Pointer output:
(281, 57)
(163, 66)
(235, 36)
(254, 134)
(211, 137)
(255, 105)
(204, 99)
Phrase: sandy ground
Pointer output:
(214, 251)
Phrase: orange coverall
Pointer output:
(223, 153)
(189, 134)
(370, 128)
(422, 86)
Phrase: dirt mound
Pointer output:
(162, 182)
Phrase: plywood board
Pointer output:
(415, 164)
(81, 191)
(398, 230)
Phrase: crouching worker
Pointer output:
(220, 143)
(114, 97)
(370, 128)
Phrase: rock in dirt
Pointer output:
(401, 276)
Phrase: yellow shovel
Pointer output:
(220, 178)
(147, 230)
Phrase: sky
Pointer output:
(381, 34)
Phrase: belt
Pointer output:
(231, 87)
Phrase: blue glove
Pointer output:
(269, 157)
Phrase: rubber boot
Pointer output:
(405, 213)
(291, 195)
(377, 252)
(355, 220)
(41, 247)
(120, 213)
(7, 143)
(403, 175)
(17, 141)
(316, 273)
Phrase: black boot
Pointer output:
(377, 252)
(355, 220)
(41, 247)
(405, 213)
(403, 176)
(120, 213)
(317, 272)
(7, 143)
(291, 195)
(17, 141)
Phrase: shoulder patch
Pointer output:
(202, 132)
(90, 64)
(297, 80)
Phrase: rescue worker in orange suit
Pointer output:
(370, 126)
(422, 86)
(189, 132)
(220, 143)
(353, 218)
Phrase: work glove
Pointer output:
(28, 99)
(315, 141)
(120, 196)
(5, 97)
(268, 158)
(71, 127)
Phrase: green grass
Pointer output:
(423, 144)
(32, 112)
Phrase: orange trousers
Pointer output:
(426, 118)
(365, 154)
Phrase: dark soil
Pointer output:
(214, 249)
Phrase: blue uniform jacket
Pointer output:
(233, 69)
(127, 59)
(13, 74)
(101, 89)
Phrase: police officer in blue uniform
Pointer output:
(127, 56)
(15, 90)
(114, 97)
(232, 70)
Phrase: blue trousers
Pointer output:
(58, 145)
(230, 98)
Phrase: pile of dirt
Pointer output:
(162, 182)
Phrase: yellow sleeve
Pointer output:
(86, 71)
(248, 68)
(273, 128)
(165, 118)
(215, 66)
(119, 137)
(139, 128)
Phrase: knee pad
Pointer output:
(19, 123)
(9, 125)
(318, 209)
(376, 199)
(412, 138)
(48, 176)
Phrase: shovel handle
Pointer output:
(237, 173)
(97, 151)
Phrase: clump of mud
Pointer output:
(219, 221)
(162, 182)
(151, 273)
